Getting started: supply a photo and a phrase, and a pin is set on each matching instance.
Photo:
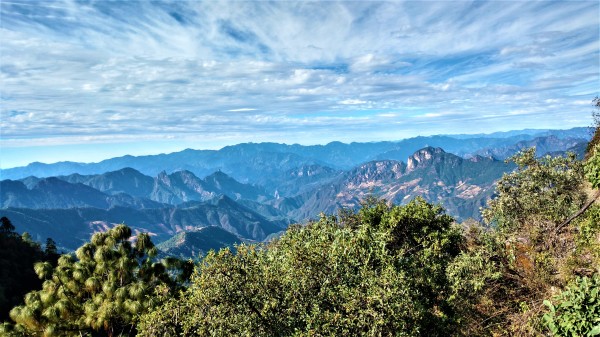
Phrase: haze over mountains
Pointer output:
(253, 191)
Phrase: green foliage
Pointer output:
(576, 310)
(596, 137)
(507, 269)
(547, 189)
(592, 167)
(102, 289)
(474, 269)
(378, 272)
(383, 271)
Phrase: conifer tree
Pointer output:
(101, 290)
(6, 225)
(50, 247)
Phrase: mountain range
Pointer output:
(251, 192)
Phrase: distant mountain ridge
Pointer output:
(263, 163)
(184, 202)
(55, 193)
(126, 186)
(543, 145)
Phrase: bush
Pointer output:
(592, 167)
(380, 272)
(576, 311)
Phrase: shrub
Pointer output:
(576, 310)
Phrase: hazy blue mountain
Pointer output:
(578, 149)
(183, 186)
(174, 188)
(255, 190)
(263, 164)
(30, 181)
(125, 180)
(43, 170)
(195, 244)
(544, 145)
(267, 210)
(71, 227)
(579, 132)
(56, 193)
(302, 179)
(223, 184)
(179, 187)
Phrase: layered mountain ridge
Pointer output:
(253, 191)
(264, 163)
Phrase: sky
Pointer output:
(89, 80)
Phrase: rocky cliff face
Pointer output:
(461, 185)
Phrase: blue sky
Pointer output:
(89, 80)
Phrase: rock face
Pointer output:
(460, 185)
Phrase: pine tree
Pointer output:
(50, 247)
(101, 290)
(7, 226)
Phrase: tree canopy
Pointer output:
(104, 288)
(378, 272)
(541, 235)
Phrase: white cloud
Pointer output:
(151, 68)
(352, 101)
(242, 110)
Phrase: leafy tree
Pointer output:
(592, 167)
(528, 249)
(547, 189)
(379, 272)
(596, 137)
(576, 310)
(100, 291)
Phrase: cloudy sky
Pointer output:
(84, 81)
